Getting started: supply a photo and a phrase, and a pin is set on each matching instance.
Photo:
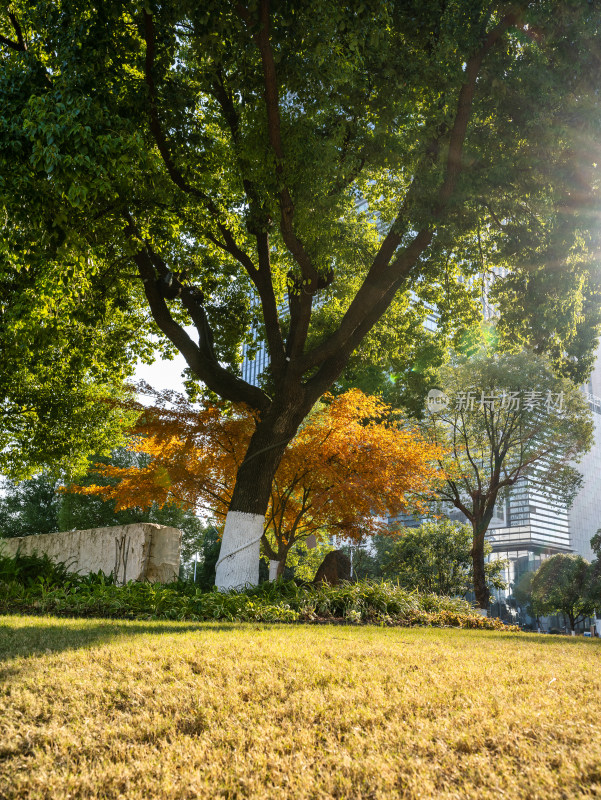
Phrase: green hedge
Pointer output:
(29, 584)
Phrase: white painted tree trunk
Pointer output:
(273, 570)
(238, 564)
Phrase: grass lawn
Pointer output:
(111, 709)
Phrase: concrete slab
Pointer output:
(142, 551)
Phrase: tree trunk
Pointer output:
(480, 524)
(238, 563)
(276, 568)
(480, 587)
(281, 566)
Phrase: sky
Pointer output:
(162, 374)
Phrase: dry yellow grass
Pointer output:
(95, 709)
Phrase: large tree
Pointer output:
(195, 152)
(506, 418)
(349, 468)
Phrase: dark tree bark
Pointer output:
(480, 523)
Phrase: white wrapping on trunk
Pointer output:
(238, 564)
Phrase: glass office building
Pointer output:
(253, 367)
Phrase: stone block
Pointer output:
(335, 567)
(142, 551)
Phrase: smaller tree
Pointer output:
(504, 418)
(349, 467)
(522, 594)
(594, 578)
(436, 557)
(560, 586)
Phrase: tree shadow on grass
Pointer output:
(560, 639)
(58, 635)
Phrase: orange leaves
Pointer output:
(350, 464)
(363, 464)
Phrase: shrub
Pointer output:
(34, 584)
(27, 569)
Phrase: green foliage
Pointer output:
(375, 90)
(37, 585)
(37, 506)
(399, 359)
(560, 586)
(303, 563)
(64, 355)
(594, 577)
(29, 507)
(35, 570)
(200, 553)
(436, 557)
(523, 596)
(596, 543)
(365, 560)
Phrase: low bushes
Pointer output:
(33, 584)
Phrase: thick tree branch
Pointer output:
(301, 304)
(258, 227)
(209, 370)
(191, 299)
(17, 28)
(464, 106)
(19, 45)
(10, 43)
(335, 352)
(268, 549)
(155, 125)
(262, 39)
(263, 283)
(374, 297)
(452, 496)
